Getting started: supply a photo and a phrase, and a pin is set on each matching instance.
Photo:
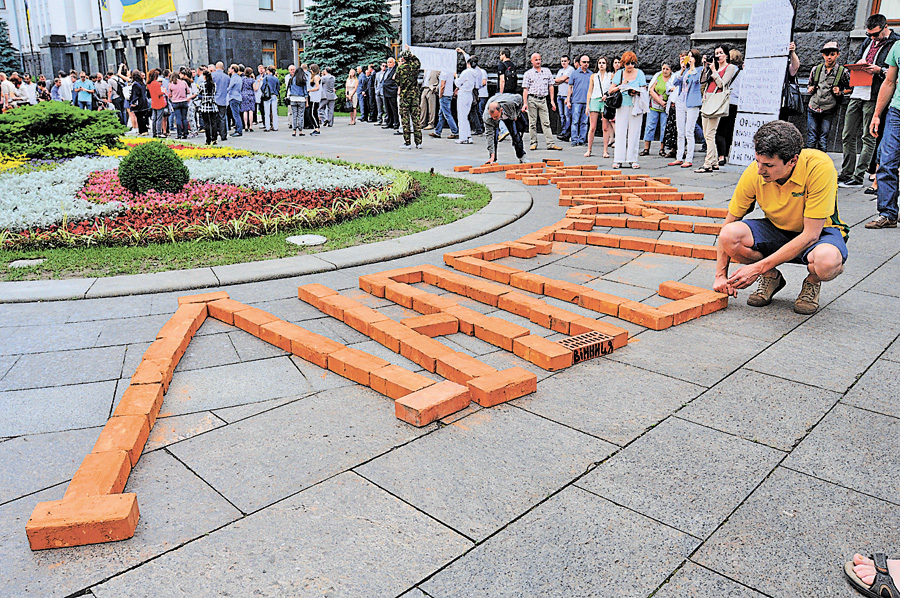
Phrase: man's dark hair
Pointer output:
(61, 74)
(473, 62)
(566, 56)
(778, 138)
(505, 52)
(876, 20)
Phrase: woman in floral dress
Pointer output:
(248, 99)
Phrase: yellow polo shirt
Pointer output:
(811, 192)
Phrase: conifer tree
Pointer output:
(8, 60)
(345, 33)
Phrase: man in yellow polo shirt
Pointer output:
(796, 189)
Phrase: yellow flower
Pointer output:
(7, 162)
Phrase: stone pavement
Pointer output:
(746, 453)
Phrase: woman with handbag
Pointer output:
(656, 117)
(631, 83)
(687, 107)
(158, 103)
(716, 80)
(597, 88)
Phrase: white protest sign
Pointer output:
(435, 59)
(769, 33)
(761, 84)
(743, 151)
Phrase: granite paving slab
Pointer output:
(599, 259)
(795, 532)
(207, 351)
(133, 355)
(877, 389)
(175, 506)
(59, 368)
(113, 308)
(687, 476)
(651, 269)
(319, 378)
(486, 469)
(239, 412)
(690, 352)
(619, 404)
(414, 593)
(251, 348)
(698, 582)
(634, 232)
(51, 337)
(501, 359)
(212, 326)
(576, 545)
(38, 410)
(379, 350)
(121, 331)
(292, 310)
(854, 448)
(762, 408)
(336, 330)
(38, 461)
(169, 430)
(560, 271)
(344, 537)
(626, 291)
(13, 315)
(6, 364)
(766, 324)
(468, 344)
(236, 384)
(893, 352)
(270, 456)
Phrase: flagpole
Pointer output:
(187, 49)
(103, 63)
(28, 26)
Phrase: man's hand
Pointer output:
(553, 106)
(492, 160)
(873, 126)
(792, 47)
(873, 69)
(525, 108)
(721, 286)
(810, 89)
(568, 104)
(745, 276)
(836, 90)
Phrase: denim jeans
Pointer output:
(818, 124)
(579, 122)
(655, 118)
(235, 106)
(887, 168)
(181, 109)
(270, 113)
(84, 105)
(446, 117)
(156, 124)
(565, 115)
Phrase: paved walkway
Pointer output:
(747, 453)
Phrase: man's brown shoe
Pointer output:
(807, 302)
(766, 290)
(554, 147)
(533, 146)
(882, 222)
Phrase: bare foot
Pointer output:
(864, 568)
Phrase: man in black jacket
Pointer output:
(861, 107)
(390, 96)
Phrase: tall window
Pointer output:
(265, 4)
(506, 17)
(3, 4)
(165, 56)
(101, 61)
(731, 14)
(86, 62)
(889, 8)
(69, 61)
(120, 57)
(269, 53)
(609, 15)
(141, 53)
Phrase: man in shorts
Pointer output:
(796, 189)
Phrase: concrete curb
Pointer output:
(508, 204)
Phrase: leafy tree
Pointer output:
(8, 61)
(345, 33)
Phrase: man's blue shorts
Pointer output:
(768, 238)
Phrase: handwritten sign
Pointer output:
(769, 32)
(761, 82)
(746, 125)
(436, 59)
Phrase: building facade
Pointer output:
(79, 35)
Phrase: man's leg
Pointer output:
(869, 143)
(405, 114)
(516, 136)
(824, 130)
(223, 121)
(544, 115)
(850, 137)
(737, 241)
(447, 113)
(887, 172)
(273, 113)
(812, 129)
(463, 104)
(532, 121)
(565, 118)
(235, 106)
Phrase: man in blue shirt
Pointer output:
(234, 99)
(221, 80)
(577, 100)
(271, 87)
(85, 89)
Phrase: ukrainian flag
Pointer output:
(136, 10)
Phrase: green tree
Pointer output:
(8, 61)
(346, 33)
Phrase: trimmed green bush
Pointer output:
(52, 130)
(153, 165)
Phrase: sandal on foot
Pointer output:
(703, 169)
(687, 165)
(605, 155)
(644, 152)
(587, 154)
(883, 585)
(675, 163)
(616, 166)
(635, 165)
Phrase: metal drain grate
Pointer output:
(588, 345)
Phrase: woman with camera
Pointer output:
(687, 108)
(597, 89)
(631, 84)
(716, 82)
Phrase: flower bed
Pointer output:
(80, 202)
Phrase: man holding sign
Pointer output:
(797, 191)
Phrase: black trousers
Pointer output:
(393, 112)
(515, 128)
(223, 121)
(210, 125)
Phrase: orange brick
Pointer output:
(169, 348)
(468, 318)
(124, 433)
(553, 318)
(676, 225)
(389, 333)
(521, 250)
(311, 293)
(451, 256)
(711, 301)
(568, 236)
(432, 304)
(100, 474)
(497, 272)
(494, 251)
(314, 348)
(460, 368)
(600, 302)
(543, 247)
(203, 298)
(394, 381)
(423, 350)
(81, 521)
(502, 386)
(185, 321)
(602, 240)
(402, 294)
(461, 168)
(691, 211)
(517, 303)
(354, 364)
(673, 248)
(224, 310)
(432, 403)
(707, 228)
(583, 325)
(644, 315)
(643, 223)
(543, 353)
(678, 290)
(432, 325)
(153, 371)
(716, 212)
(562, 290)
(499, 333)
(704, 253)
(485, 292)
(335, 305)
(251, 319)
(526, 281)
(361, 318)
(141, 399)
(374, 284)
(614, 221)
(637, 243)
(278, 333)
(582, 224)
(409, 275)
(683, 310)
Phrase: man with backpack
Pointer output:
(508, 78)
(828, 83)
(269, 97)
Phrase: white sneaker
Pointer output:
(467, 141)
(405, 146)
(418, 146)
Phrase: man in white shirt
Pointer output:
(466, 83)
(65, 87)
(29, 88)
(446, 118)
(482, 100)
(565, 113)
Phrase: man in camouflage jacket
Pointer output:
(409, 97)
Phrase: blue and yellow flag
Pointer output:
(104, 5)
(136, 10)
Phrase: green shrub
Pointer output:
(58, 130)
(153, 165)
